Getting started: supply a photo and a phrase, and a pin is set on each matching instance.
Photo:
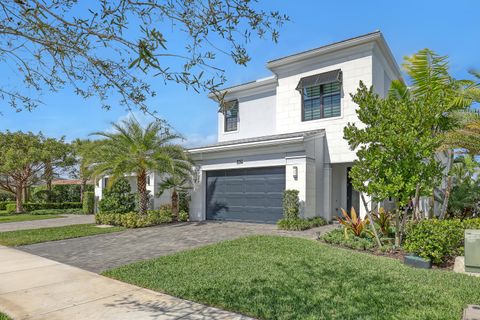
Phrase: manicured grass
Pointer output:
(271, 277)
(23, 237)
(26, 217)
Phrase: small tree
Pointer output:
(291, 204)
(398, 141)
(118, 198)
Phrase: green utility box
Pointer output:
(472, 251)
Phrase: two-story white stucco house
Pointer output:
(286, 132)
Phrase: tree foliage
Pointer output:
(397, 147)
(107, 48)
(132, 148)
(465, 196)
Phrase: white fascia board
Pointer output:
(248, 89)
(245, 145)
(322, 50)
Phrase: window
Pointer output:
(231, 115)
(321, 101)
(148, 180)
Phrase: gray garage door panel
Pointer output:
(253, 194)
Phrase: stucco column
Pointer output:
(296, 179)
(198, 197)
(327, 191)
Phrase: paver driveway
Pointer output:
(102, 252)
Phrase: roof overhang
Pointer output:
(374, 37)
(267, 141)
(249, 88)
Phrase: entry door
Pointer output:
(353, 196)
(252, 194)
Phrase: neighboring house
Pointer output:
(286, 132)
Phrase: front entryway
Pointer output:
(250, 194)
(353, 196)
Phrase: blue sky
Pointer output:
(449, 28)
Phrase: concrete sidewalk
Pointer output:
(65, 220)
(33, 287)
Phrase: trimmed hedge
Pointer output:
(299, 224)
(3, 204)
(88, 202)
(291, 204)
(56, 211)
(44, 206)
(438, 240)
(135, 220)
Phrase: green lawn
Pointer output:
(23, 237)
(26, 217)
(271, 277)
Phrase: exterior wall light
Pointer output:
(295, 172)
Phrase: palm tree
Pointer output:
(179, 180)
(131, 148)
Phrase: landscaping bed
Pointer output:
(270, 277)
(24, 237)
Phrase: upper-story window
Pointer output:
(321, 95)
(231, 116)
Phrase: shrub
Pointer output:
(135, 220)
(353, 224)
(291, 204)
(300, 224)
(118, 199)
(183, 216)
(337, 237)
(11, 208)
(30, 206)
(3, 204)
(6, 196)
(438, 240)
(383, 219)
(183, 201)
(88, 202)
(56, 211)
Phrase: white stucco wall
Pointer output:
(356, 65)
(256, 117)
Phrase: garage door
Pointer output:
(253, 194)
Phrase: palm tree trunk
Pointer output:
(175, 204)
(19, 200)
(142, 192)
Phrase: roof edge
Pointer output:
(339, 45)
